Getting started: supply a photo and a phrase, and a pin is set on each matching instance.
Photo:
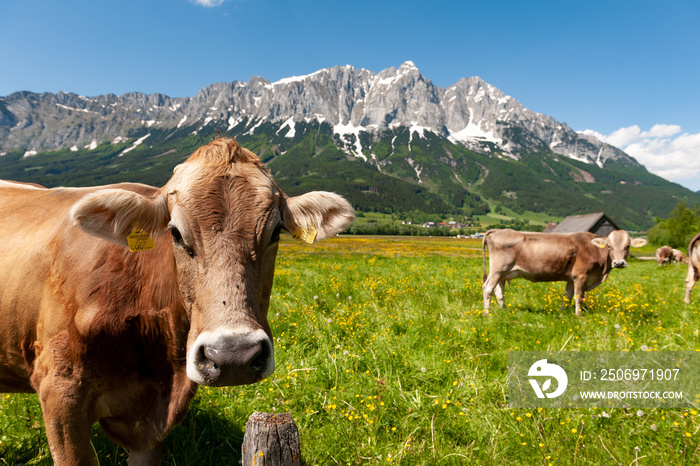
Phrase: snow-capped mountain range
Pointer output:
(352, 101)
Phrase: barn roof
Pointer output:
(587, 222)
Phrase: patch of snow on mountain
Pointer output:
(293, 79)
(251, 131)
(232, 122)
(472, 131)
(416, 168)
(572, 155)
(84, 110)
(599, 158)
(292, 128)
(344, 130)
(415, 128)
(136, 143)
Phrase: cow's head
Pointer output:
(224, 214)
(618, 244)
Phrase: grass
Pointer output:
(383, 356)
(536, 219)
(376, 217)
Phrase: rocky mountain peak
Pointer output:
(471, 112)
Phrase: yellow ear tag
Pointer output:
(139, 240)
(308, 236)
(601, 245)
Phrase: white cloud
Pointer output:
(664, 150)
(662, 131)
(208, 3)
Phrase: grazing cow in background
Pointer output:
(693, 266)
(582, 260)
(679, 257)
(104, 334)
(664, 255)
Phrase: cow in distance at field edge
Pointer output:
(123, 338)
(664, 255)
(693, 266)
(668, 255)
(679, 257)
(582, 260)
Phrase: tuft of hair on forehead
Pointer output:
(224, 152)
(214, 180)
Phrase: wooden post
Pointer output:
(270, 440)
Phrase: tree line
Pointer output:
(678, 229)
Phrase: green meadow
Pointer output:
(384, 356)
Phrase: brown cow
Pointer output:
(104, 334)
(693, 266)
(664, 255)
(582, 260)
(679, 257)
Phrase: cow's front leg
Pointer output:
(569, 294)
(66, 421)
(579, 300)
(150, 457)
(578, 296)
(690, 281)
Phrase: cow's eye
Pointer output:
(178, 241)
(177, 236)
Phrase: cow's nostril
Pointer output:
(210, 355)
(259, 362)
(206, 364)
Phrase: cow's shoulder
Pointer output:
(588, 253)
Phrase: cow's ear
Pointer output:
(600, 242)
(638, 242)
(316, 215)
(113, 213)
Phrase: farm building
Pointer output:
(598, 224)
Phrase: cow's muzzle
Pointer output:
(226, 358)
(620, 264)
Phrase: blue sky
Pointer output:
(626, 71)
